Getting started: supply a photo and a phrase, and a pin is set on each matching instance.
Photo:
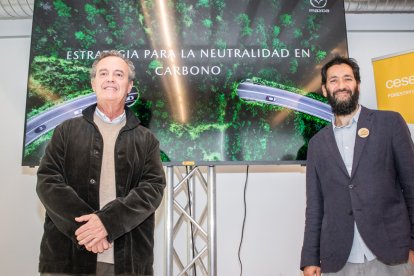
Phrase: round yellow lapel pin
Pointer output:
(363, 132)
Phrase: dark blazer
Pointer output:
(378, 196)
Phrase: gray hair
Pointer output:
(113, 53)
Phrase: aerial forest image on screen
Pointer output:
(217, 81)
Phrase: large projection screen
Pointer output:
(218, 82)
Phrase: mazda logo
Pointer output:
(318, 3)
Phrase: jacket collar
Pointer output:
(132, 121)
(329, 137)
(364, 121)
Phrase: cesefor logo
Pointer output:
(395, 83)
(319, 4)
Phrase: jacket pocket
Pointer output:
(397, 228)
(326, 240)
(55, 246)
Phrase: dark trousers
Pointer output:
(374, 268)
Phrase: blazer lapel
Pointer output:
(364, 122)
(333, 148)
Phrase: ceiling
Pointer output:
(23, 9)
(379, 6)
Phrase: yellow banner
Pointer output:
(394, 82)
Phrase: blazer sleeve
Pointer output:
(60, 200)
(403, 150)
(314, 212)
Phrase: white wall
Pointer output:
(275, 195)
(21, 226)
(371, 36)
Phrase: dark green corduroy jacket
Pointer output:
(68, 187)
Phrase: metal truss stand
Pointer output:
(190, 230)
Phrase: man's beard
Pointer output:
(343, 107)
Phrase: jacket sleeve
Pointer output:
(60, 200)
(403, 150)
(123, 214)
(314, 213)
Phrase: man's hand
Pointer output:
(91, 233)
(411, 257)
(99, 247)
(312, 271)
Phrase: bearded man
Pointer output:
(359, 186)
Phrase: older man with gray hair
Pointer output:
(101, 180)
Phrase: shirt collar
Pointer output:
(106, 119)
(353, 120)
